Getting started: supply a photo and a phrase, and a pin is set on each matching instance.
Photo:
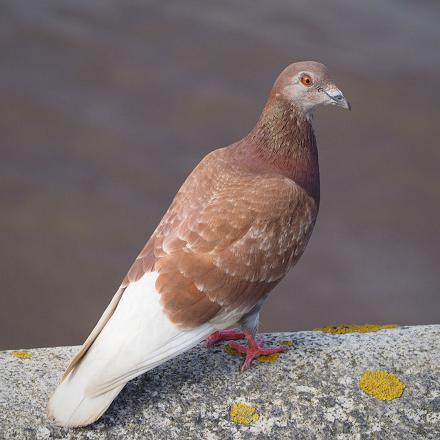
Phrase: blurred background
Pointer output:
(107, 105)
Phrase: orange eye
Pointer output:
(306, 80)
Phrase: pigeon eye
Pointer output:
(306, 80)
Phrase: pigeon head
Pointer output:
(307, 85)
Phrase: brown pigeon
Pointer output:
(240, 221)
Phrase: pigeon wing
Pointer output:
(228, 237)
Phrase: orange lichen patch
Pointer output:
(269, 359)
(381, 385)
(230, 350)
(354, 328)
(244, 414)
(287, 343)
(21, 354)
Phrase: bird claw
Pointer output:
(253, 351)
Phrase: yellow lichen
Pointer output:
(230, 350)
(21, 354)
(269, 358)
(381, 385)
(287, 343)
(244, 414)
(354, 328)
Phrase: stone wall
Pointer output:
(318, 389)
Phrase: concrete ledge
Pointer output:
(310, 392)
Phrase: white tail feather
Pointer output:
(136, 338)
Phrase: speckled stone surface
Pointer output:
(311, 392)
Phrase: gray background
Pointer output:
(106, 106)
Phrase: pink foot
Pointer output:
(225, 335)
(253, 350)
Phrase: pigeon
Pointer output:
(237, 225)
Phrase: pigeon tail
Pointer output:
(132, 337)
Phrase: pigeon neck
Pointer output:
(284, 140)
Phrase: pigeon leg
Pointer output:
(253, 350)
(225, 335)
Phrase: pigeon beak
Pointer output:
(338, 98)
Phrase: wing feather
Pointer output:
(228, 237)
